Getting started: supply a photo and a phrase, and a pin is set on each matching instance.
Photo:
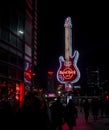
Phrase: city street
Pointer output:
(100, 124)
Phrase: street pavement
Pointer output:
(100, 124)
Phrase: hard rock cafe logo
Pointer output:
(67, 73)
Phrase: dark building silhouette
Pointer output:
(18, 47)
(93, 80)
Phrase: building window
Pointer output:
(20, 44)
(4, 34)
(3, 70)
(19, 74)
(4, 55)
(12, 40)
(12, 59)
(20, 62)
(12, 72)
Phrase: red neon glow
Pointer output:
(27, 75)
(17, 91)
(29, 15)
(17, 97)
(50, 72)
(20, 93)
(29, 5)
(2, 85)
(68, 70)
(17, 88)
(28, 72)
(67, 73)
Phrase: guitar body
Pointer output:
(68, 70)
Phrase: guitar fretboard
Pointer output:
(68, 38)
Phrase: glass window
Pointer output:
(12, 59)
(3, 70)
(3, 45)
(12, 50)
(5, 34)
(20, 44)
(20, 62)
(20, 25)
(12, 39)
(19, 74)
(12, 72)
(3, 55)
(19, 54)
(13, 22)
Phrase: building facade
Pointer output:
(93, 81)
(18, 47)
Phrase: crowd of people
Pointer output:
(36, 112)
(95, 107)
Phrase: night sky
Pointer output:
(90, 34)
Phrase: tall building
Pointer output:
(18, 47)
(93, 80)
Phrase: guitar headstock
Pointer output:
(68, 22)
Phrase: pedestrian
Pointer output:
(95, 108)
(30, 115)
(70, 114)
(86, 109)
(57, 114)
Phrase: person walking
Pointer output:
(70, 114)
(30, 114)
(95, 108)
(86, 109)
(57, 114)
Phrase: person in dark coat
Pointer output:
(57, 114)
(95, 108)
(70, 114)
(29, 116)
(86, 109)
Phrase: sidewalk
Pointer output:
(100, 124)
(80, 125)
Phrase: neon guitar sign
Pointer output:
(68, 71)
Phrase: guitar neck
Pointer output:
(68, 38)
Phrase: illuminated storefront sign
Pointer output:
(68, 72)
